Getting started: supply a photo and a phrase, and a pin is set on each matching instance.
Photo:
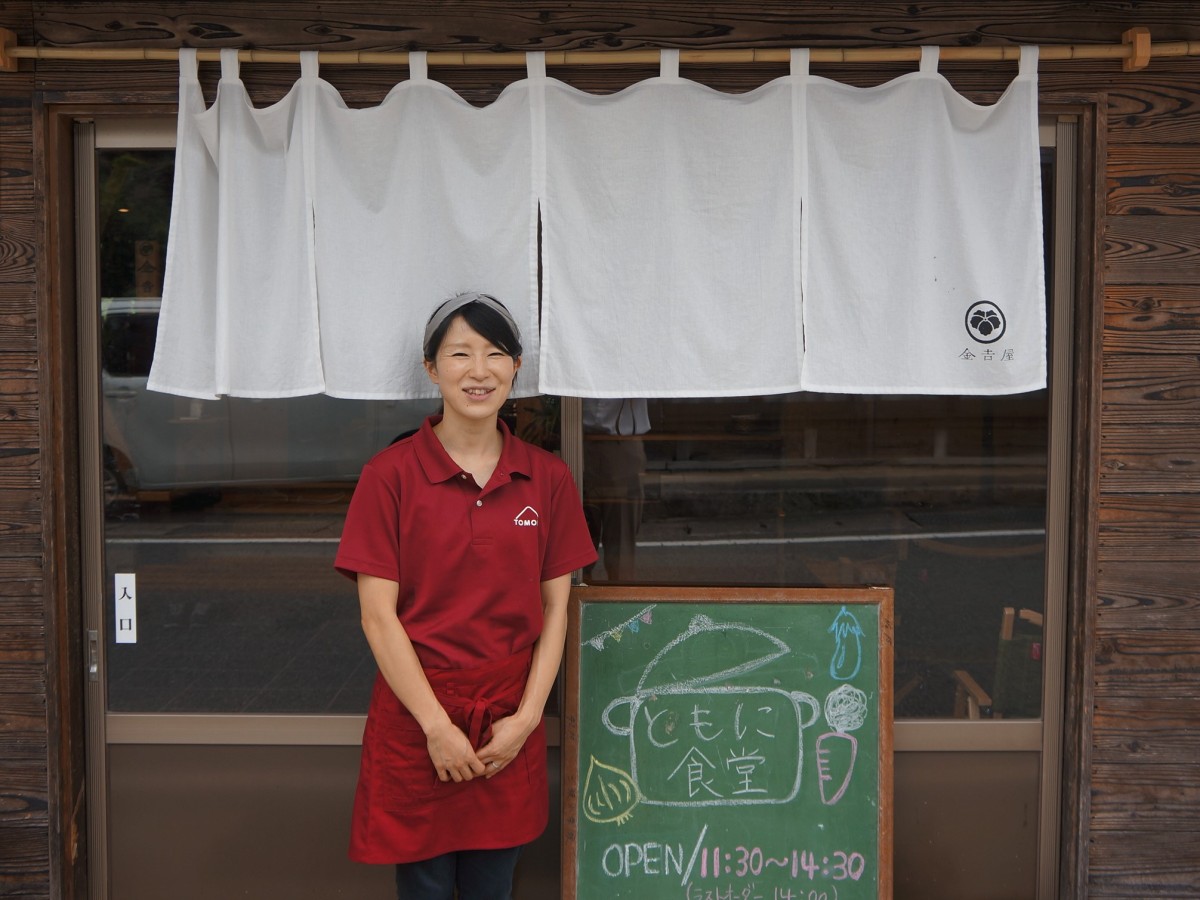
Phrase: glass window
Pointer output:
(943, 498)
(227, 512)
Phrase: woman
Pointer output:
(462, 539)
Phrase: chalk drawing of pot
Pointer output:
(696, 742)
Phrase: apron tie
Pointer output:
(479, 721)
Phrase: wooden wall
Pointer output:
(26, 833)
(1133, 777)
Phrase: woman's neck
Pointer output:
(475, 445)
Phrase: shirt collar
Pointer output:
(439, 467)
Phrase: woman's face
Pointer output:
(474, 376)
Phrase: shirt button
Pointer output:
(479, 503)
(463, 475)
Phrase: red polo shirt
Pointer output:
(469, 561)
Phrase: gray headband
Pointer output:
(457, 302)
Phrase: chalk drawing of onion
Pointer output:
(609, 794)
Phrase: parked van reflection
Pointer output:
(161, 442)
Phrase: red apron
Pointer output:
(403, 813)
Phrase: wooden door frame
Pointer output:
(67, 478)
(1084, 503)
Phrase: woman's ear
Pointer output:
(431, 371)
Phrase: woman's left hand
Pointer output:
(508, 737)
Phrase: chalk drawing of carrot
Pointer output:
(836, 753)
(845, 711)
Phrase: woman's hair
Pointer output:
(495, 326)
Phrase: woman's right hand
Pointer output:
(451, 752)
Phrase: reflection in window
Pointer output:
(227, 512)
(942, 498)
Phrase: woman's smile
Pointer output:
(474, 376)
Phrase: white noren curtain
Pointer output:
(803, 235)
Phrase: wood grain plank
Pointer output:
(23, 642)
(20, 571)
(18, 316)
(1147, 597)
(20, 467)
(1149, 389)
(1152, 318)
(1148, 530)
(19, 611)
(617, 24)
(1162, 715)
(1135, 864)
(16, 143)
(22, 782)
(22, 600)
(20, 522)
(483, 26)
(1123, 681)
(19, 805)
(1163, 460)
(1156, 107)
(22, 677)
(22, 738)
(24, 858)
(1152, 250)
(1137, 731)
(1159, 664)
(18, 435)
(1165, 798)
(18, 246)
(1154, 179)
(19, 401)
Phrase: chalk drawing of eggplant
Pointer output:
(847, 646)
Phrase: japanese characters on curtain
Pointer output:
(923, 237)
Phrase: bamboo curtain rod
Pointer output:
(1135, 52)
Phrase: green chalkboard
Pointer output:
(728, 744)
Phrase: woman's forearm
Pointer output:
(449, 749)
(547, 651)
(393, 651)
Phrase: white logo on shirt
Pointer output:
(527, 516)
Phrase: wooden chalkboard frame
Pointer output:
(585, 594)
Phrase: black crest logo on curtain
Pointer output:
(985, 322)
